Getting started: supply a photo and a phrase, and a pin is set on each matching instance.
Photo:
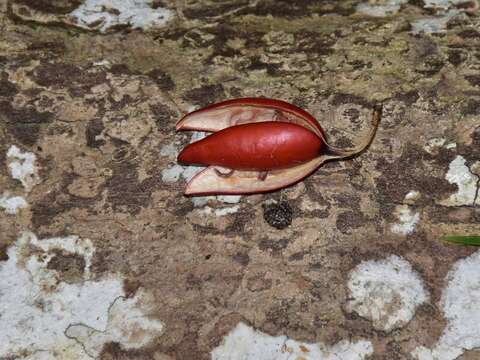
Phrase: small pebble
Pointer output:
(278, 215)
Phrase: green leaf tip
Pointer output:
(463, 240)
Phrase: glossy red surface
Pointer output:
(255, 146)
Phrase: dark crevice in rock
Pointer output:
(25, 123)
(205, 95)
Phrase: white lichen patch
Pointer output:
(22, 166)
(447, 4)
(104, 14)
(127, 325)
(461, 310)
(229, 199)
(387, 292)
(407, 220)
(198, 135)
(439, 4)
(37, 306)
(222, 211)
(199, 201)
(433, 145)
(432, 25)
(245, 343)
(444, 11)
(380, 8)
(412, 196)
(70, 244)
(11, 204)
(459, 174)
(169, 151)
(173, 173)
(103, 63)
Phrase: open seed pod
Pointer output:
(257, 145)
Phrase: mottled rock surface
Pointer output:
(94, 100)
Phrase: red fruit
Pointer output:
(257, 146)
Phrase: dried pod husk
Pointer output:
(258, 145)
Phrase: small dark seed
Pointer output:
(278, 215)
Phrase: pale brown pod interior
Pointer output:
(221, 118)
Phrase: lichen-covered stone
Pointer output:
(91, 107)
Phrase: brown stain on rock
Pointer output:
(77, 80)
(165, 118)
(3, 252)
(204, 95)
(391, 191)
(94, 128)
(70, 266)
(7, 88)
(126, 193)
(51, 6)
(349, 221)
(24, 123)
(55, 203)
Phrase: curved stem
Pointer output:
(333, 152)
